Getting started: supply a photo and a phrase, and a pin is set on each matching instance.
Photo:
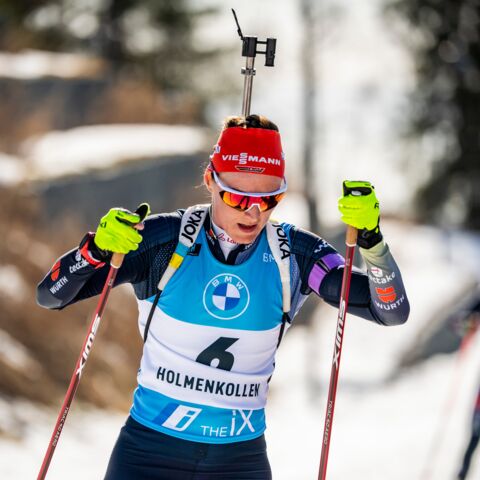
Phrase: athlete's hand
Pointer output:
(359, 205)
(360, 208)
(118, 230)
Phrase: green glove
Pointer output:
(116, 232)
(359, 205)
(360, 208)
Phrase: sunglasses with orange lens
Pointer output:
(244, 201)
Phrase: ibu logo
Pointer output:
(226, 296)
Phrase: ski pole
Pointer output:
(351, 241)
(445, 416)
(115, 264)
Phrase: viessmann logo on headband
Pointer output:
(245, 158)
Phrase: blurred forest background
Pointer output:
(107, 102)
(444, 39)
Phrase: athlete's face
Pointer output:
(242, 227)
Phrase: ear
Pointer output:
(208, 180)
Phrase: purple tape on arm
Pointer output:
(319, 270)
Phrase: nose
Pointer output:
(253, 213)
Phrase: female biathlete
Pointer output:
(217, 285)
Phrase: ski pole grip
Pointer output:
(142, 210)
(351, 237)
(117, 260)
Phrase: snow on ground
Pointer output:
(95, 147)
(383, 425)
(379, 431)
(382, 428)
(82, 451)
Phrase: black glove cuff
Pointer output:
(369, 238)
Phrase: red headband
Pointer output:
(251, 150)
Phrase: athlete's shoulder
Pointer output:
(305, 243)
(161, 228)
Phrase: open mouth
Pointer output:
(246, 228)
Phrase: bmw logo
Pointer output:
(226, 296)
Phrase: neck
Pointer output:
(225, 241)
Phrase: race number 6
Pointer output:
(218, 351)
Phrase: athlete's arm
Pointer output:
(321, 269)
(80, 273)
(379, 295)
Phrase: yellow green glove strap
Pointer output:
(116, 232)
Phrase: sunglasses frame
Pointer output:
(282, 189)
(225, 188)
(259, 195)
